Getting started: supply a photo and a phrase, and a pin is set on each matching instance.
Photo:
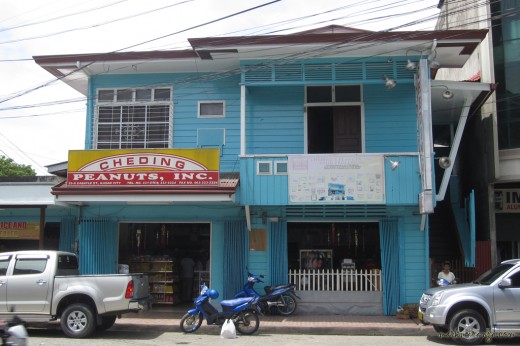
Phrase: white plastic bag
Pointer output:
(228, 330)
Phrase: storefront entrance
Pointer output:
(336, 266)
(333, 245)
(175, 256)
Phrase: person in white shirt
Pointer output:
(446, 274)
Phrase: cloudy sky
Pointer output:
(41, 120)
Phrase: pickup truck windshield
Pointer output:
(491, 275)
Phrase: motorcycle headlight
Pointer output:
(436, 299)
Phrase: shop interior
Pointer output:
(175, 256)
(326, 245)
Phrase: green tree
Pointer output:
(9, 168)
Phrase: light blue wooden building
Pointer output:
(325, 155)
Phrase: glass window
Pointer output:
(347, 93)
(67, 262)
(29, 266)
(336, 93)
(143, 123)
(3, 267)
(162, 95)
(212, 109)
(105, 95)
(281, 168)
(318, 94)
(515, 279)
(264, 168)
(143, 95)
(124, 95)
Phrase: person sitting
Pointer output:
(446, 274)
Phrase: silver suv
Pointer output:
(468, 313)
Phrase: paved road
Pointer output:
(44, 337)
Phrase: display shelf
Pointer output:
(162, 276)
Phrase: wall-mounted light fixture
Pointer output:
(446, 94)
(412, 65)
(389, 83)
(444, 162)
(393, 164)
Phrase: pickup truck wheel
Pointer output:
(78, 321)
(106, 322)
(467, 327)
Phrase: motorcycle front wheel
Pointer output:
(289, 305)
(247, 322)
(191, 322)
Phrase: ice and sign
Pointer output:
(19, 230)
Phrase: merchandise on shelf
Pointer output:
(162, 276)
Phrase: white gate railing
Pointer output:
(336, 280)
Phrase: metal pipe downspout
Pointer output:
(242, 120)
(248, 217)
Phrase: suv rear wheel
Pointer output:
(467, 327)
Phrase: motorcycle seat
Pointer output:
(234, 302)
(270, 289)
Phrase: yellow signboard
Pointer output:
(149, 167)
(20, 230)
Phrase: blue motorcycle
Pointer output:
(242, 311)
(281, 297)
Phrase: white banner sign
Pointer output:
(338, 178)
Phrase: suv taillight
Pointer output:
(129, 290)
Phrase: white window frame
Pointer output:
(133, 102)
(277, 172)
(200, 103)
(269, 163)
(360, 103)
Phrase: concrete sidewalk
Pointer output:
(168, 320)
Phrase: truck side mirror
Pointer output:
(505, 283)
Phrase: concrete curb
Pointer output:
(297, 324)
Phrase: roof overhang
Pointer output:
(27, 194)
(452, 48)
(448, 111)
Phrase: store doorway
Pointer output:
(175, 256)
(330, 245)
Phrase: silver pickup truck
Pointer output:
(485, 309)
(46, 285)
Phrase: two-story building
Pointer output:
(306, 157)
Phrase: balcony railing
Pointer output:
(336, 280)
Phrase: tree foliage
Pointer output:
(9, 168)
